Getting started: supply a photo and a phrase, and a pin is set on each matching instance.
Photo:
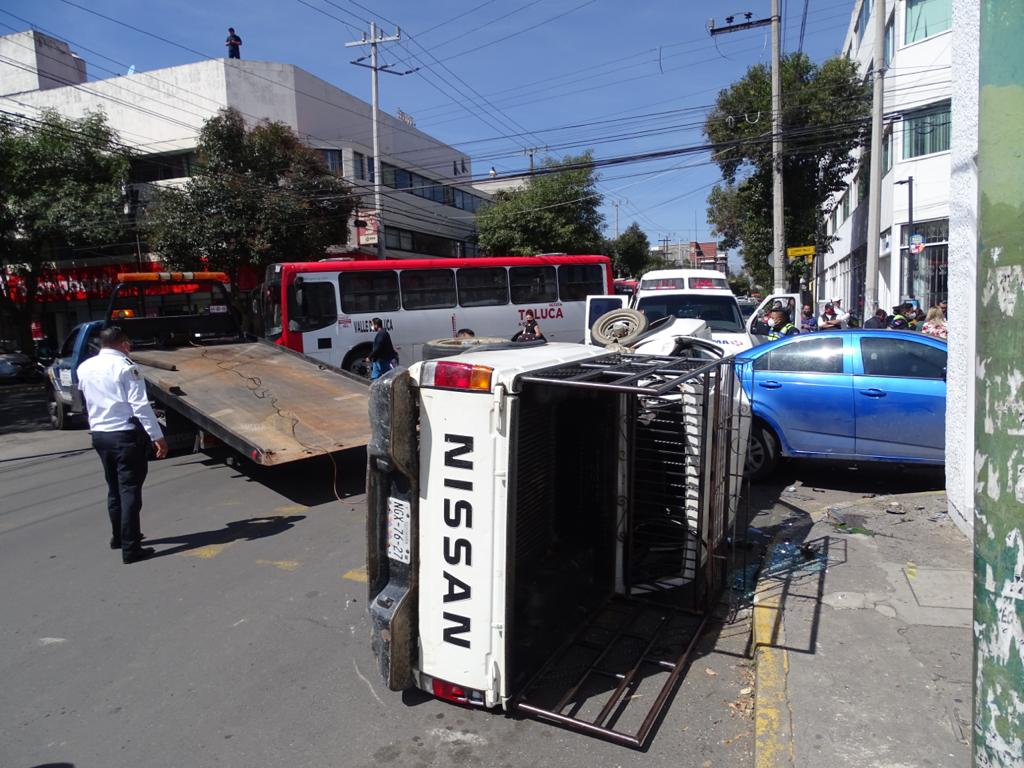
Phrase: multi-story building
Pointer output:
(915, 195)
(429, 203)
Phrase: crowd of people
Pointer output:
(904, 317)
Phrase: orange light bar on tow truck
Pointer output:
(171, 277)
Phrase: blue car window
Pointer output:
(902, 357)
(804, 356)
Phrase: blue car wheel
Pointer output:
(762, 452)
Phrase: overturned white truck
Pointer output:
(548, 527)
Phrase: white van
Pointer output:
(534, 509)
(685, 295)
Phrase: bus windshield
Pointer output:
(719, 312)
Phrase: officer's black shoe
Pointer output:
(135, 555)
(115, 543)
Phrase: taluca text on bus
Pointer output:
(324, 309)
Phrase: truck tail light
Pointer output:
(456, 693)
(452, 375)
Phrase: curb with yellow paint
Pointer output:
(773, 718)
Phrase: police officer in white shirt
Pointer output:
(123, 425)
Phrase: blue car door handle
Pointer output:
(769, 384)
(872, 392)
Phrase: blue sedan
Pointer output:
(857, 395)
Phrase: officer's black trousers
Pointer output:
(125, 457)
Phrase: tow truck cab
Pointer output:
(522, 502)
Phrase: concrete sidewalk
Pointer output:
(862, 635)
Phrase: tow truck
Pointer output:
(209, 380)
(548, 526)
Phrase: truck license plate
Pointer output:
(399, 544)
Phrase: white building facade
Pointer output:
(916, 153)
(429, 204)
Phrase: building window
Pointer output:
(926, 18)
(923, 276)
(890, 40)
(332, 159)
(846, 205)
(862, 19)
(926, 132)
(862, 178)
(833, 219)
(887, 152)
(358, 166)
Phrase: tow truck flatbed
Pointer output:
(264, 401)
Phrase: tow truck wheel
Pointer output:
(357, 363)
(762, 452)
(620, 326)
(59, 417)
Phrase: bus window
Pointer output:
(427, 288)
(368, 292)
(485, 287)
(533, 285)
(577, 281)
(314, 306)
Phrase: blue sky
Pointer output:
(496, 77)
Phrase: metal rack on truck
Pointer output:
(548, 528)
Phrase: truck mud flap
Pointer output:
(615, 677)
(392, 520)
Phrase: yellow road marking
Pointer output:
(288, 509)
(357, 574)
(210, 550)
(773, 727)
(284, 565)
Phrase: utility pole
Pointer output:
(531, 151)
(615, 205)
(999, 490)
(875, 181)
(375, 38)
(778, 218)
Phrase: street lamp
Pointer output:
(911, 262)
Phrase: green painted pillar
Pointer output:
(999, 405)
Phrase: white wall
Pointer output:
(963, 249)
(918, 75)
(31, 60)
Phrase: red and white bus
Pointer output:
(323, 309)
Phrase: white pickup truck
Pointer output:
(548, 526)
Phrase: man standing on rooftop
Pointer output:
(234, 42)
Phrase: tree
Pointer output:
(61, 185)
(257, 196)
(556, 212)
(824, 118)
(631, 251)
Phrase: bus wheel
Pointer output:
(620, 326)
(448, 347)
(357, 362)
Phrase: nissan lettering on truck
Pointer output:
(548, 526)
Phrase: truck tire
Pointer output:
(448, 347)
(355, 362)
(59, 416)
(620, 326)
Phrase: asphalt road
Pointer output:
(245, 642)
